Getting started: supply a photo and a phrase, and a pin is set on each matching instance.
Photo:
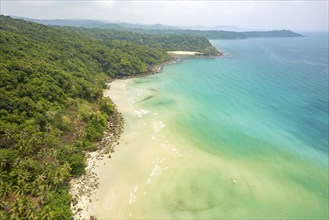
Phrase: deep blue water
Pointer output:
(287, 80)
(273, 91)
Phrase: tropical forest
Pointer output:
(52, 107)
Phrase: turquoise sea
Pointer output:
(249, 132)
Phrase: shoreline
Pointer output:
(168, 189)
(154, 69)
(83, 187)
(185, 53)
(189, 54)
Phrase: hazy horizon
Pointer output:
(246, 15)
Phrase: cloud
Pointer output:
(246, 14)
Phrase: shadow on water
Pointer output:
(147, 98)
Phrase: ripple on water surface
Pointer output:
(247, 141)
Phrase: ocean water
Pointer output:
(242, 136)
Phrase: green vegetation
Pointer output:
(214, 34)
(96, 24)
(281, 33)
(52, 107)
(165, 30)
(75, 23)
(164, 41)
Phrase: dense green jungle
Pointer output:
(52, 107)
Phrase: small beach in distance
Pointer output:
(221, 139)
(184, 53)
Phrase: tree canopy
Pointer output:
(163, 29)
(52, 107)
(165, 41)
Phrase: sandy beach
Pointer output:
(84, 186)
(184, 53)
(149, 175)
(115, 182)
(157, 172)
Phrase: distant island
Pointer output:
(213, 34)
(164, 29)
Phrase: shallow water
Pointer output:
(245, 136)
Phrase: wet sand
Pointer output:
(156, 173)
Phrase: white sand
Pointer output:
(156, 174)
(185, 53)
(85, 186)
(82, 191)
(124, 177)
(131, 169)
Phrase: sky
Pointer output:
(247, 15)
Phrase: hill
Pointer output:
(167, 42)
(217, 34)
(164, 29)
(52, 107)
(88, 23)
(75, 23)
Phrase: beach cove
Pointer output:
(230, 157)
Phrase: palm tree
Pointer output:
(3, 161)
(60, 175)
(45, 194)
(30, 209)
(66, 169)
(23, 176)
(4, 189)
(52, 153)
(24, 147)
(40, 178)
(22, 138)
(19, 190)
(48, 127)
(16, 209)
(42, 153)
(47, 214)
(3, 174)
(8, 133)
(22, 186)
(34, 140)
(55, 180)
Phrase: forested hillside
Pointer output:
(218, 34)
(165, 30)
(96, 24)
(167, 42)
(52, 108)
